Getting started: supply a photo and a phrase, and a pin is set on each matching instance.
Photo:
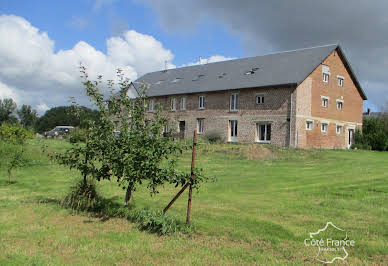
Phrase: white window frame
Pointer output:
(338, 104)
(151, 105)
(200, 125)
(201, 102)
(233, 130)
(340, 81)
(183, 103)
(341, 126)
(325, 73)
(233, 102)
(325, 99)
(309, 122)
(327, 127)
(261, 97)
(258, 133)
(165, 129)
(173, 104)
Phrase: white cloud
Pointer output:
(41, 108)
(7, 92)
(31, 71)
(211, 59)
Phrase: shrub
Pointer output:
(82, 197)
(373, 135)
(213, 136)
(12, 139)
(157, 222)
(361, 146)
(77, 135)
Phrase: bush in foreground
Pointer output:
(82, 197)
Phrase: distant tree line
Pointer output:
(27, 117)
(374, 134)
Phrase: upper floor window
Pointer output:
(151, 105)
(325, 101)
(183, 103)
(260, 99)
(340, 104)
(340, 81)
(173, 104)
(309, 124)
(200, 125)
(201, 102)
(233, 102)
(325, 77)
(325, 73)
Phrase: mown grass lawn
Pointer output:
(259, 211)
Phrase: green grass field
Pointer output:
(259, 211)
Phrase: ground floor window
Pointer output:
(264, 132)
(324, 127)
(309, 125)
(339, 129)
(200, 125)
(233, 130)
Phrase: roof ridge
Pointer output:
(236, 59)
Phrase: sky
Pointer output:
(43, 42)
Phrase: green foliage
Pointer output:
(140, 154)
(157, 222)
(12, 140)
(14, 134)
(7, 108)
(77, 135)
(373, 135)
(28, 116)
(66, 115)
(213, 136)
(82, 197)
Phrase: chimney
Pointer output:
(368, 111)
(200, 60)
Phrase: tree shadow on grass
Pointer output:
(7, 183)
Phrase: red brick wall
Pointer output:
(349, 116)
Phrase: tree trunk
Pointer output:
(9, 175)
(128, 195)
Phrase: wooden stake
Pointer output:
(192, 177)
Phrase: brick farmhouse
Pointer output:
(307, 98)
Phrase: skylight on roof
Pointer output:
(252, 71)
(198, 77)
(159, 82)
(176, 80)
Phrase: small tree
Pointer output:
(27, 115)
(7, 108)
(12, 140)
(139, 154)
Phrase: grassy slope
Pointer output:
(258, 212)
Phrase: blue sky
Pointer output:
(42, 42)
(68, 22)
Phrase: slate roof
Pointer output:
(285, 68)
